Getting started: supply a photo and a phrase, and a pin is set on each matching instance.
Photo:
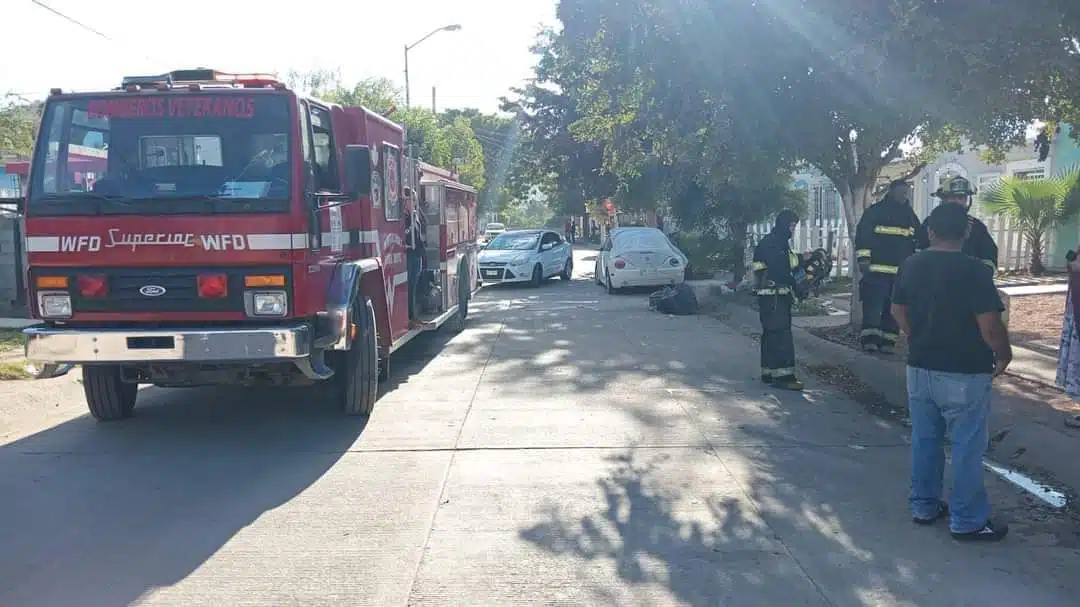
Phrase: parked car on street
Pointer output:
(638, 257)
(526, 256)
(491, 230)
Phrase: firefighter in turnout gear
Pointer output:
(979, 243)
(885, 237)
(775, 284)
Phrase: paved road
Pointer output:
(568, 448)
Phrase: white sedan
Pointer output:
(525, 256)
(639, 257)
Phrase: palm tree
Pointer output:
(1036, 206)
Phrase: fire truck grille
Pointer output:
(163, 289)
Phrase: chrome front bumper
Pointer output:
(83, 346)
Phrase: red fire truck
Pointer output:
(232, 231)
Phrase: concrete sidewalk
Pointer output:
(1026, 423)
(1036, 365)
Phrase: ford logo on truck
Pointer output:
(152, 290)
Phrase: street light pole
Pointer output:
(446, 28)
(406, 75)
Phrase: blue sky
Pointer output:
(469, 68)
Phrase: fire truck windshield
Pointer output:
(163, 153)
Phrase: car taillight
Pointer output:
(92, 286)
(213, 285)
(620, 264)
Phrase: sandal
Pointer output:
(1073, 421)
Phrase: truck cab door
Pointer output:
(322, 200)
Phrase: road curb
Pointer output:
(1025, 432)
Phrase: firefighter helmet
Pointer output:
(955, 186)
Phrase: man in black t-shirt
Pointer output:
(946, 303)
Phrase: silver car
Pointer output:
(639, 257)
(526, 256)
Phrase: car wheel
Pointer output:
(568, 269)
(537, 276)
(597, 275)
(611, 290)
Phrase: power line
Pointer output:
(86, 27)
(72, 20)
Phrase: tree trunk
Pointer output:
(739, 233)
(1035, 241)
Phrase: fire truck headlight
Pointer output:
(269, 303)
(54, 305)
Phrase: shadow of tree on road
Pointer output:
(784, 527)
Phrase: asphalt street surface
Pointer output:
(568, 448)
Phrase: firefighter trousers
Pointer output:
(777, 341)
(879, 328)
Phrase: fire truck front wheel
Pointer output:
(108, 396)
(359, 376)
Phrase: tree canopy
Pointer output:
(435, 139)
(744, 88)
(18, 122)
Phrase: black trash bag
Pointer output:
(678, 300)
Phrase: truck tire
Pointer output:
(108, 397)
(360, 375)
(457, 325)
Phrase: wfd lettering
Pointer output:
(224, 242)
(74, 244)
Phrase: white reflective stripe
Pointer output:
(274, 242)
(400, 279)
(369, 237)
(42, 244)
(335, 239)
(442, 265)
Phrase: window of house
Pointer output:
(322, 146)
(1030, 174)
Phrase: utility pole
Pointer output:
(406, 75)
(433, 111)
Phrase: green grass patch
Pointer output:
(11, 339)
(10, 370)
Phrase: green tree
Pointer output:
(1036, 206)
(424, 136)
(467, 154)
(498, 136)
(379, 95)
(568, 168)
(739, 88)
(18, 123)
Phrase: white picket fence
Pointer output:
(832, 235)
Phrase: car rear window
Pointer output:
(641, 240)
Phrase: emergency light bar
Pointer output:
(198, 77)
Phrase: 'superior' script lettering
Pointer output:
(180, 107)
(120, 239)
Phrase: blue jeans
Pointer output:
(957, 404)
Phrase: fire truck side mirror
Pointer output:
(357, 171)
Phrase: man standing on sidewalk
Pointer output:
(946, 303)
(885, 237)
